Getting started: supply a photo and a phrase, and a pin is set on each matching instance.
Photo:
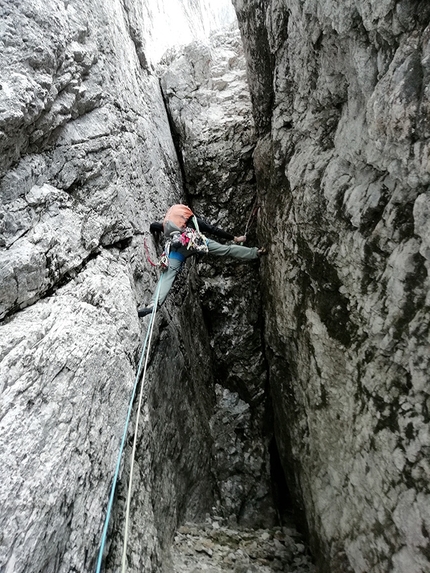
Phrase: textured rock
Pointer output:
(57, 454)
(78, 113)
(213, 547)
(208, 101)
(173, 480)
(340, 102)
(342, 171)
(86, 161)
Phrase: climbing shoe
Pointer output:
(144, 311)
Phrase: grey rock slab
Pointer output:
(340, 104)
(65, 369)
(87, 161)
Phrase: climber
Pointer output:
(184, 230)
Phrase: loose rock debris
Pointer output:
(213, 548)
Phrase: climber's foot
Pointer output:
(144, 311)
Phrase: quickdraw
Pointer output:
(163, 261)
(253, 214)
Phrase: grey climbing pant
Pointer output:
(217, 249)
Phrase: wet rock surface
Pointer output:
(215, 548)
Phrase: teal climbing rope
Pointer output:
(133, 453)
(127, 422)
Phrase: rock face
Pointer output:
(336, 127)
(78, 114)
(216, 548)
(87, 161)
(208, 101)
(341, 98)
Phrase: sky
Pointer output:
(177, 22)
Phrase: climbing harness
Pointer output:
(253, 214)
(163, 261)
(144, 356)
(192, 239)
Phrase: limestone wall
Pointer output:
(87, 162)
(341, 98)
(208, 101)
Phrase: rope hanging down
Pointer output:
(124, 437)
(133, 453)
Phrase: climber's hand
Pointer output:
(241, 239)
